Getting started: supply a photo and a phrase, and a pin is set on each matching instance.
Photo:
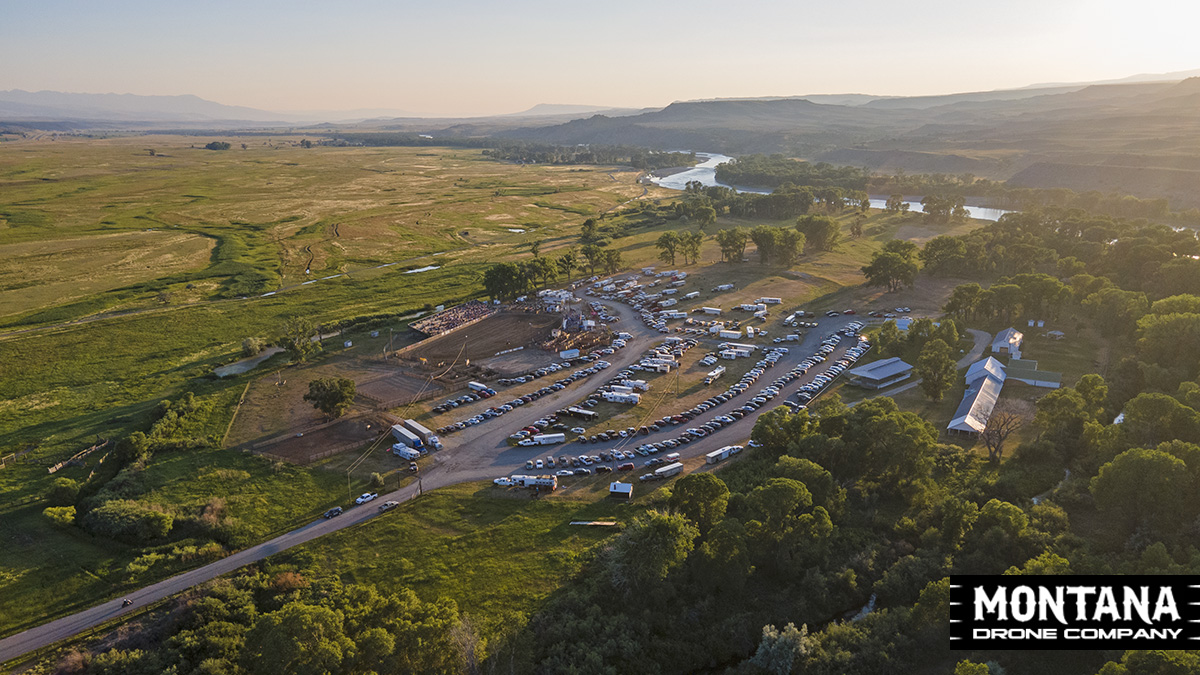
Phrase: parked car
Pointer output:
(332, 513)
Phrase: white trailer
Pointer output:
(476, 386)
(673, 469)
(716, 311)
(737, 345)
(427, 437)
(679, 283)
(406, 437)
(535, 481)
(749, 331)
(403, 451)
(617, 397)
(792, 338)
(667, 303)
(621, 389)
(770, 301)
(569, 354)
(724, 287)
(636, 385)
(714, 374)
(718, 455)
(729, 334)
(693, 294)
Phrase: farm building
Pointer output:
(1008, 341)
(1026, 370)
(985, 379)
(621, 490)
(880, 374)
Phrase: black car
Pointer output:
(332, 513)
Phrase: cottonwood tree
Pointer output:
(765, 238)
(298, 338)
(1001, 423)
(332, 396)
(668, 245)
(689, 246)
(936, 369)
(892, 270)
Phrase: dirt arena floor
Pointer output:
(344, 435)
(399, 389)
(482, 340)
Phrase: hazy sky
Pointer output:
(469, 57)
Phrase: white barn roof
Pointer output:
(988, 367)
(1007, 339)
(881, 370)
(977, 405)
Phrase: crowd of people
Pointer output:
(448, 320)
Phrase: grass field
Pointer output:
(497, 553)
(275, 216)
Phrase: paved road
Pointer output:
(477, 453)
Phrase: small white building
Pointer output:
(620, 490)
(1008, 341)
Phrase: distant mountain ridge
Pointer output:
(16, 103)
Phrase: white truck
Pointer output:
(428, 438)
(673, 469)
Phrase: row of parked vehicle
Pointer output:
(515, 403)
(469, 397)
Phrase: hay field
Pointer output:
(36, 274)
(278, 214)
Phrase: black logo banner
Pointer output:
(1074, 612)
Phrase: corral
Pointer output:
(397, 389)
(327, 440)
(483, 340)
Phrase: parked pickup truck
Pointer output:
(366, 497)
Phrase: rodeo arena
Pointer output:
(482, 341)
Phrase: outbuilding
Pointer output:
(620, 490)
(880, 374)
(1008, 341)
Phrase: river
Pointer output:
(706, 173)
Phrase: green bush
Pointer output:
(62, 492)
(129, 521)
(62, 516)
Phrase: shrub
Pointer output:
(62, 516)
(62, 492)
(128, 520)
